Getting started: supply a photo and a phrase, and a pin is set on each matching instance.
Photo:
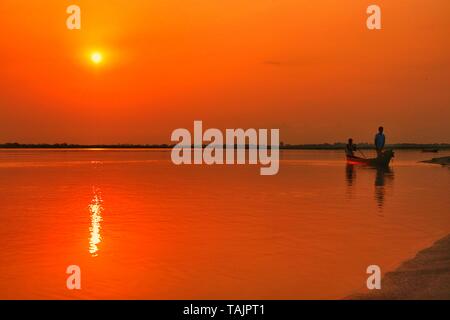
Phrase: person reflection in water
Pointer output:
(383, 177)
(350, 176)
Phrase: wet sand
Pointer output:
(425, 277)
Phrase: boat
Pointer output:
(445, 161)
(382, 161)
(434, 150)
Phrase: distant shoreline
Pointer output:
(321, 146)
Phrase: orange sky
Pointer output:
(310, 68)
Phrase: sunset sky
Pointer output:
(309, 68)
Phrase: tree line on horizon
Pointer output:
(318, 146)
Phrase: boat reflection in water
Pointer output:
(96, 209)
(383, 177)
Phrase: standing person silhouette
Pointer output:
(380, 140)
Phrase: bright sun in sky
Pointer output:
(96, 57)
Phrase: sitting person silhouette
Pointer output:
(350, 148)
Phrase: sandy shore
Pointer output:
(426, 276)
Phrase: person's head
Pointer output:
(380, 129)
(350, 141)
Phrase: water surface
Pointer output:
(140, 227)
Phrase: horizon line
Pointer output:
(324, 145)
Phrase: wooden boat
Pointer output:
(382, 161)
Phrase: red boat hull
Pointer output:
(382, 161)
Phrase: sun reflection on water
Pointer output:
(96, 209)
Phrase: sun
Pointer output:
(96, 57)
